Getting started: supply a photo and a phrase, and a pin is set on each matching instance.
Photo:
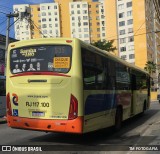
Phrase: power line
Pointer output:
(3, 22)
(3, 13)
(9, 26)
(9, 8)
(36, 26)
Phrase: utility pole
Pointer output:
(9, 16)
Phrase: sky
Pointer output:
(6, 6)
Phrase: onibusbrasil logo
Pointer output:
(15, 99)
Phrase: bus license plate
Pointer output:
(38, 114)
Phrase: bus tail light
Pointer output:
(73, 109)
(9, 110)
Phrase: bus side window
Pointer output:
(93, 70)
(110, 76)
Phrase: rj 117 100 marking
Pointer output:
(37, 104)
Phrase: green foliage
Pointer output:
(150, 67)
(105, 45)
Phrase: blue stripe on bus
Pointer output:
(99, 102)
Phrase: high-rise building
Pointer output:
(133, 25)
(73, 18)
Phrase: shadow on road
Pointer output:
(106, 136)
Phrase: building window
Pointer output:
(122, 49)
(85, 17)
(56, 25)
(131, 56)
(103, 34)
(130, 47)
(49, 7)
(73, 18)
(78, 6)
(56, 19)
(43, 8)
(44, 26)
(98, 29)
(130, 22)
(121, 15)
(84, 11)
(78, 12)
(50, 19)
(49, 13)
(84, 5)
(85, 29)
(129, 13)
(122, 23)
(130, 30)
(43, 13)
(120, 6)
(86, 35)
(124, 57)
(122, 32)
(85, 23)
(50, 25)
(45, 32)
(73, 24)
(130, 39)
(55, 13)
(55, 7)
(129, 4)
(122, 40)
(43, 19)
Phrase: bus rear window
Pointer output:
(51, 58)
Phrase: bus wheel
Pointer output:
(118, 119)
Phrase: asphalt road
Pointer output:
(138, 131)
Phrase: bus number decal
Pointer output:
(37, 104)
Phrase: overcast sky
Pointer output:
(6, 6)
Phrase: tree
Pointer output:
(105, 45)
(150, 67)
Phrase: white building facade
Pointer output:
(125, 30)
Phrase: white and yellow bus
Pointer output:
(66, 85)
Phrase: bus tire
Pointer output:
(118, 119)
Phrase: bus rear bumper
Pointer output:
(68, 126)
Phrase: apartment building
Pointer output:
(73, 18)
(132, 24)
